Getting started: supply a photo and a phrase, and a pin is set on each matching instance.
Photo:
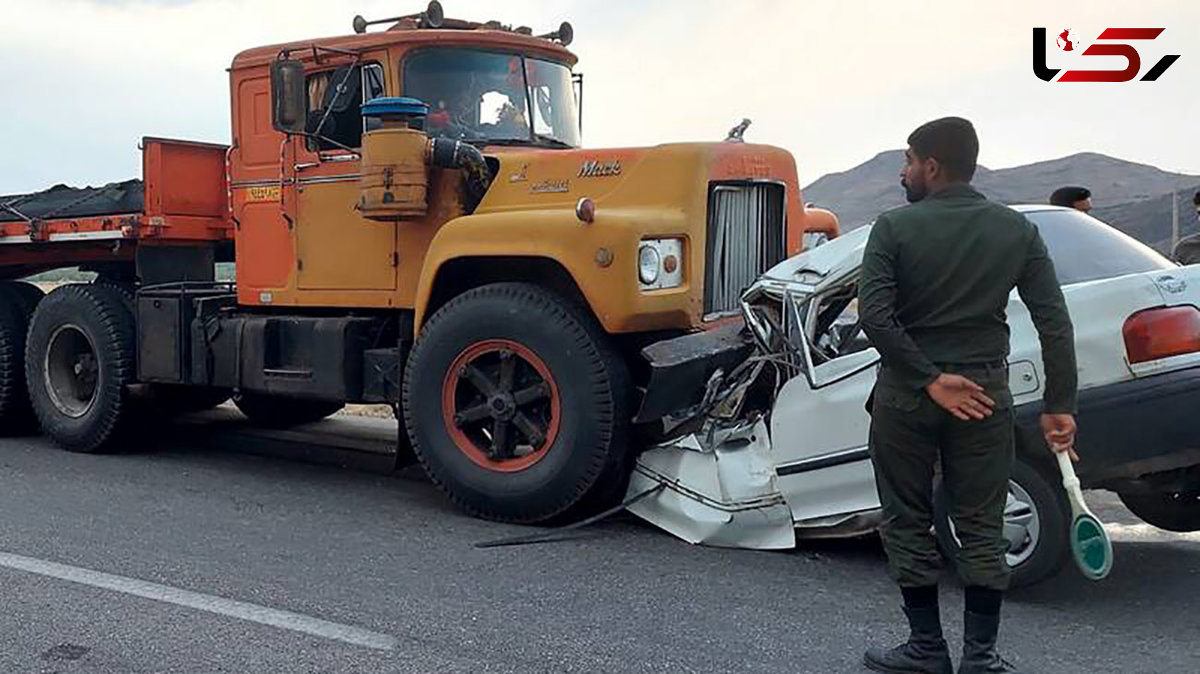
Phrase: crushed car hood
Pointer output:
(824, 265)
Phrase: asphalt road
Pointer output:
(358, 558)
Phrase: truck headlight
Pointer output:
(649, 264)
(660, 263)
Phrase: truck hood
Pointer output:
(670, 178)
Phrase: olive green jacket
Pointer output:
(935, 285)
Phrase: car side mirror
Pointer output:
(289, 104)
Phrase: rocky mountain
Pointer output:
(1134, 197)
(1149, 220)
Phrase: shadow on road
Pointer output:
(1144, 572)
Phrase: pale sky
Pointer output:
(834, 82)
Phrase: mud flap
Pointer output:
(721, 492)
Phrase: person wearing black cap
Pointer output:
(1079, 198)
(1187, 251)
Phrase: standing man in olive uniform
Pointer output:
(1187, 251)
(935, 283)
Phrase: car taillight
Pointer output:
(1161, 333)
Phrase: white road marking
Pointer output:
(203, 602)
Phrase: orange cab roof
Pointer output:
(479, 37)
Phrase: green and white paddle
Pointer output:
(1089, 541)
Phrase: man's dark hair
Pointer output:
(1067, 196)
(1196, 199)
(952, 142)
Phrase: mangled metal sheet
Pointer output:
(712, 395)
(824, 265)
(721, 491)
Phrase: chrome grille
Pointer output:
(745, 238)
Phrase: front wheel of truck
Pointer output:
(517, 406)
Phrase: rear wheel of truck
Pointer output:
(1037, 520)
(280, 411)
(16, 304)
(24, 293)
(79, 359)
(517, 406)
(1168, 510)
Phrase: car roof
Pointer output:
(1035, 208)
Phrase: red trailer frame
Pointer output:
(186, 202)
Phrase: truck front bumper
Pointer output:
(680, 368)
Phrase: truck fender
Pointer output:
(550, 235)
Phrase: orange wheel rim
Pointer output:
(501, 405)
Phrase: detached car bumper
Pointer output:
(1134, 428)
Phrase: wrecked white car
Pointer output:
(768, 431)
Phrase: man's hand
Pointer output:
(1059, 431)
(961, 397)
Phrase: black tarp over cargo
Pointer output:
(61, 202)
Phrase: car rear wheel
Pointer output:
(1036, 525)
(1172, 511)
(517, 406)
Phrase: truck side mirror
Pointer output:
(289, 104)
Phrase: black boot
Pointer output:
(925, 652)
(979, 646)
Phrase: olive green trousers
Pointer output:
(910, 435)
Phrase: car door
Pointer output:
(819, 422)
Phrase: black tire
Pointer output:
(16, 413)
(577, 466)
(25, 293)
(1053, 515)
(82, 412)
(1171, 511)
(280, 411)
(127, 290)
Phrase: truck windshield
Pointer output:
(493, 97)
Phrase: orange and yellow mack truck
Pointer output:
(413, 223)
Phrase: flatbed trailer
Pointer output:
(181, 200)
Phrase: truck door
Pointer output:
(336, 248)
